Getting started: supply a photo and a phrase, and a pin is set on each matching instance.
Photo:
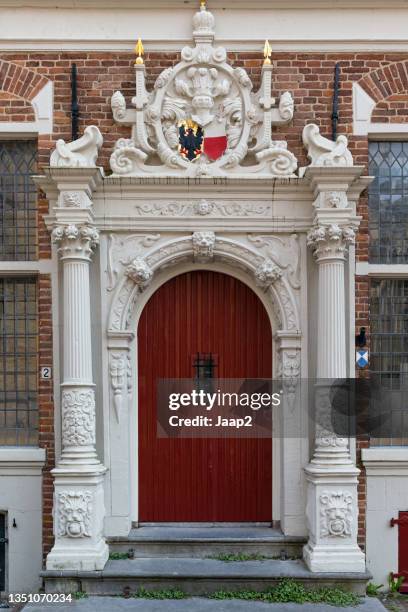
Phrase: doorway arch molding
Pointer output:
(206, 247)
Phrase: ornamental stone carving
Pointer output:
(118, 370)
(202, 118)
(78, 417)
(74, 199)
(289, 362)
(139, 272)
(202, 208)
(81, 153)
(75, 241)
(324, 152)
(74, 513)
(336, 514)
(267, 273)
(330, 240)
(203, 246)
(283, 251)
(123, 250)
(332, 199)
(206, 247)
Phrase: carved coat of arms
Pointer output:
(203, 118)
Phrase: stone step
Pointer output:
(202, 542)
(193, 576)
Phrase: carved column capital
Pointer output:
(75, 241)
(330, 242)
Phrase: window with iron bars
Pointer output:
(18, 361)
(18, 200)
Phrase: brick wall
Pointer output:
(309, 76)
(46, 403)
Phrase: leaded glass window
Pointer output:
(18, 200)
(389, 331)
(389, 356)
(18, 361)
(388, 202)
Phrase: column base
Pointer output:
(79, 513)
(81, 558)
(332, 517)
(330, 559)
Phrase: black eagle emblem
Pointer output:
(191, 140)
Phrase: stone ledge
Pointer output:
(21, 461)
(385, 461)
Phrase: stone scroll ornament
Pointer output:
(81, 153)
(324, 152)
(202, 118)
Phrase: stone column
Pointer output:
(78, 497)
(332, 504)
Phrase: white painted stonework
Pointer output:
(247, 214)
(387, 472)
(21, 499)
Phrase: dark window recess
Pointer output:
(3, 542)
(388, 202)
(18, 200)
(18, 362)
(204, 365)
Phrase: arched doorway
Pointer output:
(202, 480)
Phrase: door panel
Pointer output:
(202, 480)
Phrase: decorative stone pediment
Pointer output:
(202, 118)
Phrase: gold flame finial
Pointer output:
(267, 53)
(203, 4)
(139, 49)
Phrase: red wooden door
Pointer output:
(200, 480)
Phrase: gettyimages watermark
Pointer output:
(262, 408)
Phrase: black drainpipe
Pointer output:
(335, 113)
(74, 103)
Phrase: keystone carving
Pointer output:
(203, 246)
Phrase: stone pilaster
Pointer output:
(78, 478)
(332, 506)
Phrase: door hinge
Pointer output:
(3, 540)
(402, 520)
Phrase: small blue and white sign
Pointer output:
(362, 358)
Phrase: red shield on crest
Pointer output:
(215, 140)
